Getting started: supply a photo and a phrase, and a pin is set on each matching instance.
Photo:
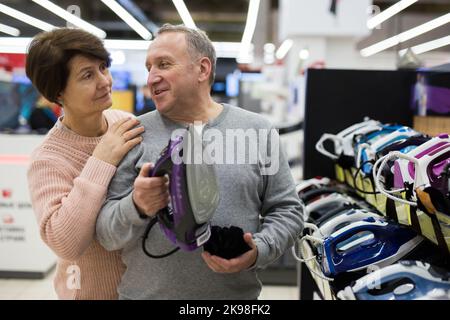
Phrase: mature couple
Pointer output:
(90, 185)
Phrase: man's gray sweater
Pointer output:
(265, 205)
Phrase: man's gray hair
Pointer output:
(199, 45)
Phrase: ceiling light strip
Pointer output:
(250, 25)
(389, 12)
(249, 30)
(184, 14)
(80, 23)
(9, 30)
(406, 35)
(26, 18)
(128, 18)
(428, 46)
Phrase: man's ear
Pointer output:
(205, 69)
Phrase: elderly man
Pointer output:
(261, 201)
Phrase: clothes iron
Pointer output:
(310, 184)
(194, 194)
(405, 280)
(368, 150)
(403, 146)
(340, 220)
(343, 141)
(418, 169)
(313, 195)
(373, 241)
(321, 207)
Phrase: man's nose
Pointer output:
(153, 78)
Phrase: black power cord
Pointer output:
(144, 239)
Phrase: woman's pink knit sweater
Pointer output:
(68, 187)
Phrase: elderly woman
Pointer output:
(70, 171)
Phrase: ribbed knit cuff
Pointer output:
(98, 171)
(128, 208)
(263, 254)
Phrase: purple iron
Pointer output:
(193, 192)
(422, 167)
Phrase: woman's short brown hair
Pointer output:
(49, 54)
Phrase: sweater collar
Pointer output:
(212, 123)
(63, 132)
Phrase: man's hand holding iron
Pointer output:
(150, 193)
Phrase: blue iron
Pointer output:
(406, 280)
(373, 241)
(364, 141)
(346, 217)
(367, 151)
(373, 136)
(329, 226)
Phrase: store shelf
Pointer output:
(436, 228)
(322, 285)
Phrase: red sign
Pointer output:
(6, 193)
(10, 61)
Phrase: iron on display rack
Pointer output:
(435, 226)
(404, 178)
